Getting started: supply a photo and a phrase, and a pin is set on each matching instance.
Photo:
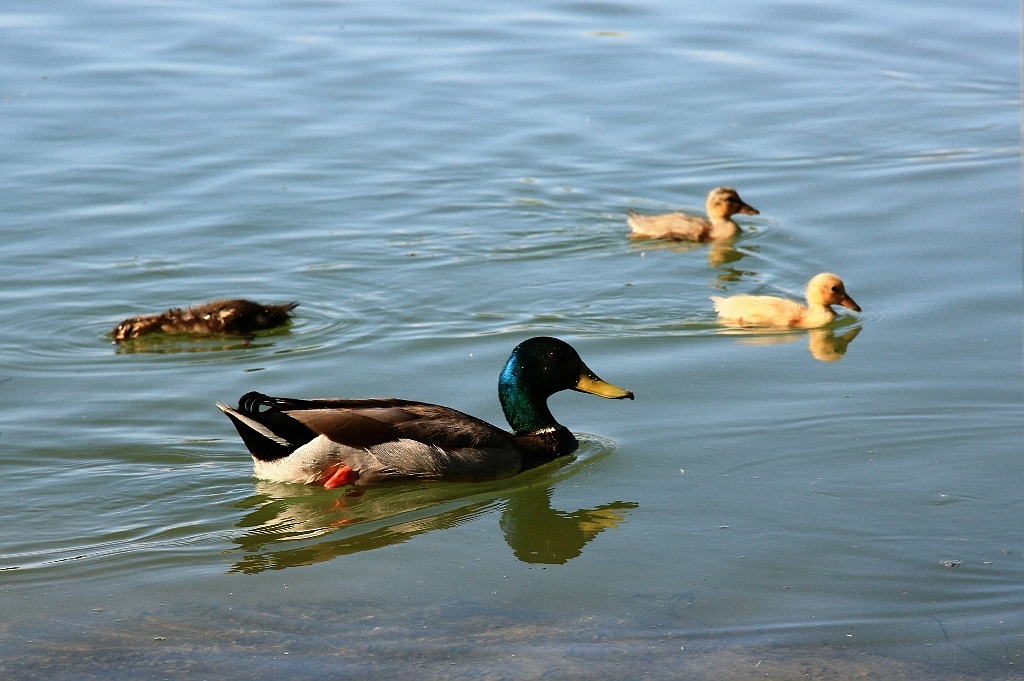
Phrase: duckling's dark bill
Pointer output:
(589, 383)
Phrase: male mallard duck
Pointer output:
(236, 316)
(823, 291)
(722, 204)
(334, 442)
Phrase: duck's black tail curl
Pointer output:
(270, 434)
(251, 402)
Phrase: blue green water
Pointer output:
(436, 183)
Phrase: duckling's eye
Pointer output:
(835, 289)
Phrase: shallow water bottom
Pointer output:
(455, 641)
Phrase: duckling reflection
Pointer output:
(169, 345)
(730, 275)
(824, 343)
(722, 252)
(301, 517)
(826, 346)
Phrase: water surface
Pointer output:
(435, 184)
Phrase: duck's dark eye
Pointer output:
(835, 289)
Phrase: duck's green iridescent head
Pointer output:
(538, 368)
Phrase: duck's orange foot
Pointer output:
(343, 475)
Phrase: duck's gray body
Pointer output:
(302, 440)
(341, 441)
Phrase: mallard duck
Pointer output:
(823, 291)
(235, 316)
(334, 442)
(722, 204)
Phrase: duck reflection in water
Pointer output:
(723, 252)
(825, 344)
(161, 344)
(290, 524)
(537, 533)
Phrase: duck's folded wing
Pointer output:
(402, 438)
(413, 438)
(366, 423)
(357, 427)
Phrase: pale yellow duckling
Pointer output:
(823, 291)
(722, 204)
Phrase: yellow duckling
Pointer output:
(722, 204)
(823, 291)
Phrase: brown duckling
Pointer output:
(722, 204)
(235, 316)
(823, 291)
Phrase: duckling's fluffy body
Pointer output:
(234, 316)
(335, 442)
(722, 203)
(823, 291)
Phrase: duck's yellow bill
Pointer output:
(589, 383)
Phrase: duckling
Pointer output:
(722, 204)
(235, 316)
(823, 291)
(335, 442)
